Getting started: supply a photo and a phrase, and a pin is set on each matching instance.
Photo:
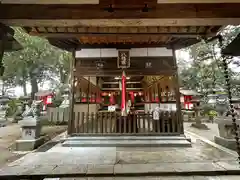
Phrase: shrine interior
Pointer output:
(141, 91)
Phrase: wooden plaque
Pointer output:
(123, 59)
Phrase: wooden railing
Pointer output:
(58, 115)
(112, 123)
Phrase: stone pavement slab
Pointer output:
(100, 169)
(198, 152)
(234, 165)
(143, 168)
(127, 143)
(157, 178)
(96, 170)
(200, 159)
(69, 156)
(208, 134)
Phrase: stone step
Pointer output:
(114, 138)
(127, 143)
(174, 177)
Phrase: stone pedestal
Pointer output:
(226, 136)
(30, 139)
(198, 120)
(3, 111)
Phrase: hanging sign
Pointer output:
(123, 59)
(111, 108)
(148, 65)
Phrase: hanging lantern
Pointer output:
(104, 94)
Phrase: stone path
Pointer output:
(197, 160)
(208, 134)
(10, 133)
(200, 158)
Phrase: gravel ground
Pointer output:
(10, 133)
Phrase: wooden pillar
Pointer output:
(177, 94)
(1, 48)
(71, 123)
(2, 40)
(2, 44)
(88, 95)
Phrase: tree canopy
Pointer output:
(206, 73)
(37, 62)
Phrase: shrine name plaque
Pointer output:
(123, 59)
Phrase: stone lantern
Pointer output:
(226, 136)
(31, 129)
(3, 111)
(197, 109)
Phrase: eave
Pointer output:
(70, 38)
(233, 48)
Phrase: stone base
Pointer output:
(127, 141)
(29, 145)
(200, 126)
(228, 143)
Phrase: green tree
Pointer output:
(206, 71)
(37, 62)
(61, 65)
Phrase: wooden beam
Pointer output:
(197, 1)
(178, 45)
(50, 1)
(118, 82)
(97, 1)
(109, 45)
(160, 65)
(110, 35)
(69, 15)
(117, 89)
(117, 73)
(123, 22)
(127, 45)
(164, 30)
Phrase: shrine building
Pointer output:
(124, 56)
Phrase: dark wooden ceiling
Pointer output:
(124, 37)
(121, 9)
(121, 23)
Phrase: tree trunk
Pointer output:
(34, 85)
(63, 76)
(24, 86)
(3, 88)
